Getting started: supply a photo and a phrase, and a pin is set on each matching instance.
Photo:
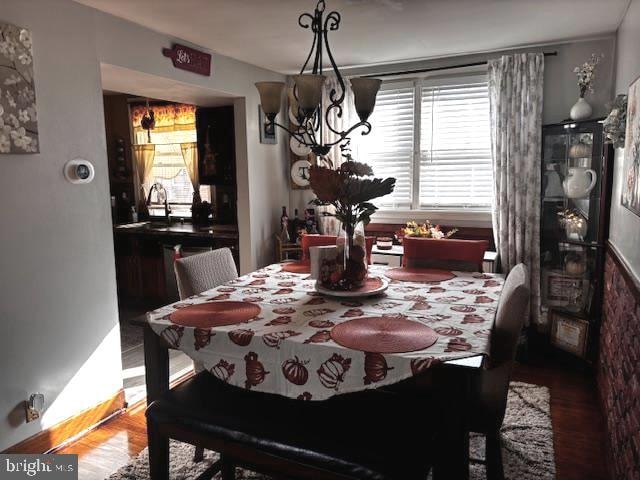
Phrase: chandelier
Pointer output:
(305, 98)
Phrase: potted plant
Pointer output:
(350, 193)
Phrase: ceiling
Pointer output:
(266, 32)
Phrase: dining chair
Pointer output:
(204, 271)
(198, 273)
(450, 254)
(491, 387)
(311, 240)
(323, 240)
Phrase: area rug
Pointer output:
(526, 433)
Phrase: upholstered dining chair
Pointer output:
(204, 271)
(491, 388)
(198, 273)
(462, 255)
(311, 240)
(324, 240)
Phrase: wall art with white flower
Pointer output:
(18, 118)
(631, 184)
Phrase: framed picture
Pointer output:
(267, 130)
(569, 333)
(631, 183)
(18, 116)
(562, 290)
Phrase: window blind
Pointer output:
(389, 148)
(455, 148)
(433, 136)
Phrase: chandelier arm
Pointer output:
(344, 135)
(310, 131)
(332, 22)
(317, 29)
(333, 106)
(306, 62)
(295, 135)
(303, 17)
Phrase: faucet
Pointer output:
(162, 195)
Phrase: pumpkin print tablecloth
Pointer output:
(287, 348)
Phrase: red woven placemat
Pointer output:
(405, 274)
(383, 335)
(215, 314)
(296, 267)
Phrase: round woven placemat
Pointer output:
(296, 267)
(383, 335)
(215, 314)
(405, 274)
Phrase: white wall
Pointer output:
(58, 306)
(58, 311)
(624, 231)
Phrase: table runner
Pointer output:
(287, 349)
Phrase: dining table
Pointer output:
(271, 331)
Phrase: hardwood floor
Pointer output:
(576, 419)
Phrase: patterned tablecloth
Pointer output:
(287, 349)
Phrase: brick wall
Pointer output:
(619, 370)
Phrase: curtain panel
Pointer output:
(143, 156)
(515, 96)
(190, 157)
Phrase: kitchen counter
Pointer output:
(145, 251)
(177, 229)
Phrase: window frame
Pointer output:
(480, 215)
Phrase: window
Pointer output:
(175, 124)
(433, 136)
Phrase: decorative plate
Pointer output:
(300, 173)
(299, 149)
(373, 286)
(292, 118)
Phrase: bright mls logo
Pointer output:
(54, 467)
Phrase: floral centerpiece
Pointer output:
(586, 74)
(426, 230)
(348, 191)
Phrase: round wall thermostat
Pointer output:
(79, 171)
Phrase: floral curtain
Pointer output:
(329, 225)
(143, 156)
(190, 157)
(515, 97)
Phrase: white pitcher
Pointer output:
(577, 184)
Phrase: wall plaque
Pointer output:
(190, 59)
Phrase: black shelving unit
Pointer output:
(574, 228)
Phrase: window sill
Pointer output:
(453, 218)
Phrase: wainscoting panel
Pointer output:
(619, 368)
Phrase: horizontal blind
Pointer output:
(388, 149)
(455, 148)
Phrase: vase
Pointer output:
(352, 255)
(581, 110)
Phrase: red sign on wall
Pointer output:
(189, 59)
